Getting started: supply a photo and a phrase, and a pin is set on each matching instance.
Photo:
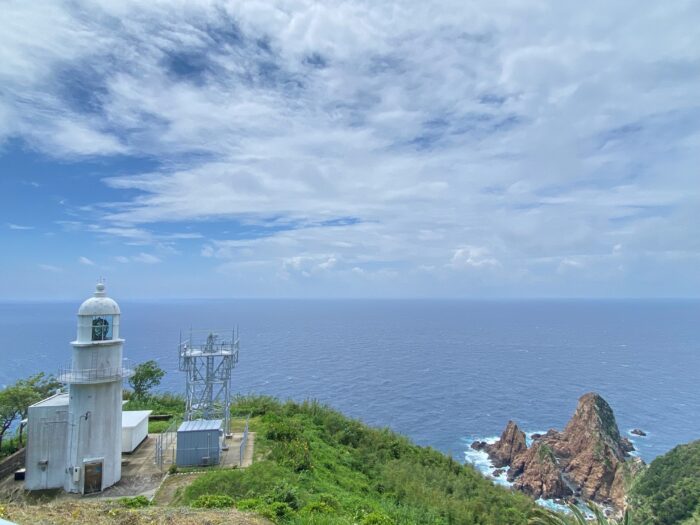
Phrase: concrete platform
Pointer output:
(140, 474)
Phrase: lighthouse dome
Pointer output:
(99, 304)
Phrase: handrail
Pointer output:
(92, 375)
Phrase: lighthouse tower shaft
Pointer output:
(95, 390)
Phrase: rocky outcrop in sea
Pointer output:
(588, 459)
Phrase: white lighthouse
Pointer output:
(75, 439)
(95, 393)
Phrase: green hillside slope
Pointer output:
(316, 466)
(669, 491)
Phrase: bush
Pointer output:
(284, 493)
(277, 511)
(213, 502)
(377, 518)
(285, 431)
(249, 504)
(318, 507)
(135, 502)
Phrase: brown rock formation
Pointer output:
(592, 449)
(511, 444)
(536, 472)
(589, 456)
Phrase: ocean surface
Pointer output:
(441, 372)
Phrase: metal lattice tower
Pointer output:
(207, 359)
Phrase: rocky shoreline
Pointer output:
(588, 460)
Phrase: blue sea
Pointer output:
(441, 372)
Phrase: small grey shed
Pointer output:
(199, 442)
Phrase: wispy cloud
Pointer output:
(50, 268)
(12, 226)
(86, 261)
(425, 141)
(146, 258)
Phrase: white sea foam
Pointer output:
(528, 436)
(481, 462)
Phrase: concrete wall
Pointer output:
(96, 431)
(133, 436)
(47, 430)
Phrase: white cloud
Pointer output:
(50, 268)
(418, 125)
(472, 256)
(12, 226)
(86, 261)
(146, 258)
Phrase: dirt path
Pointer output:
(168, 490)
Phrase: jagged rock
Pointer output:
(638, 432)
(626, 445)
(537, 473)
(591, 445)
(479, 445)
(497, 473)
(536, 436)
(589, 457)
(511, 444)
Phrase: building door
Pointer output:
(93, 477)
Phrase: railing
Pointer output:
(86, 376)
(244, 442)
(164, 442)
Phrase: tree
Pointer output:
(14, 401)
(146, 376)
(40, 386)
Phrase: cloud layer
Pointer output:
(403, 148)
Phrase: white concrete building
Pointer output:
(134, 429)
(75, 439)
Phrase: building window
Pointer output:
(102, 328)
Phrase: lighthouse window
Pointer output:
(102, 328)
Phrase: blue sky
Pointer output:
(350, 149)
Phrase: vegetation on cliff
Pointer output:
(669, 491)
(315, 466)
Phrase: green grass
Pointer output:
(315, 466)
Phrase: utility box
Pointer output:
(134, 429)
(199, 442)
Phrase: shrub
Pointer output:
(248, 504)
(284, 493)
(318, 507)
(277, 511)
(135, 502)
(213, 502)
(377, 518)
(285, 431)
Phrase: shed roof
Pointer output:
(131, 418)
(201, 424)
(55, 400)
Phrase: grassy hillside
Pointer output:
(669, 491)
(316, 466)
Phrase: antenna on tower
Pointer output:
(207, 357)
